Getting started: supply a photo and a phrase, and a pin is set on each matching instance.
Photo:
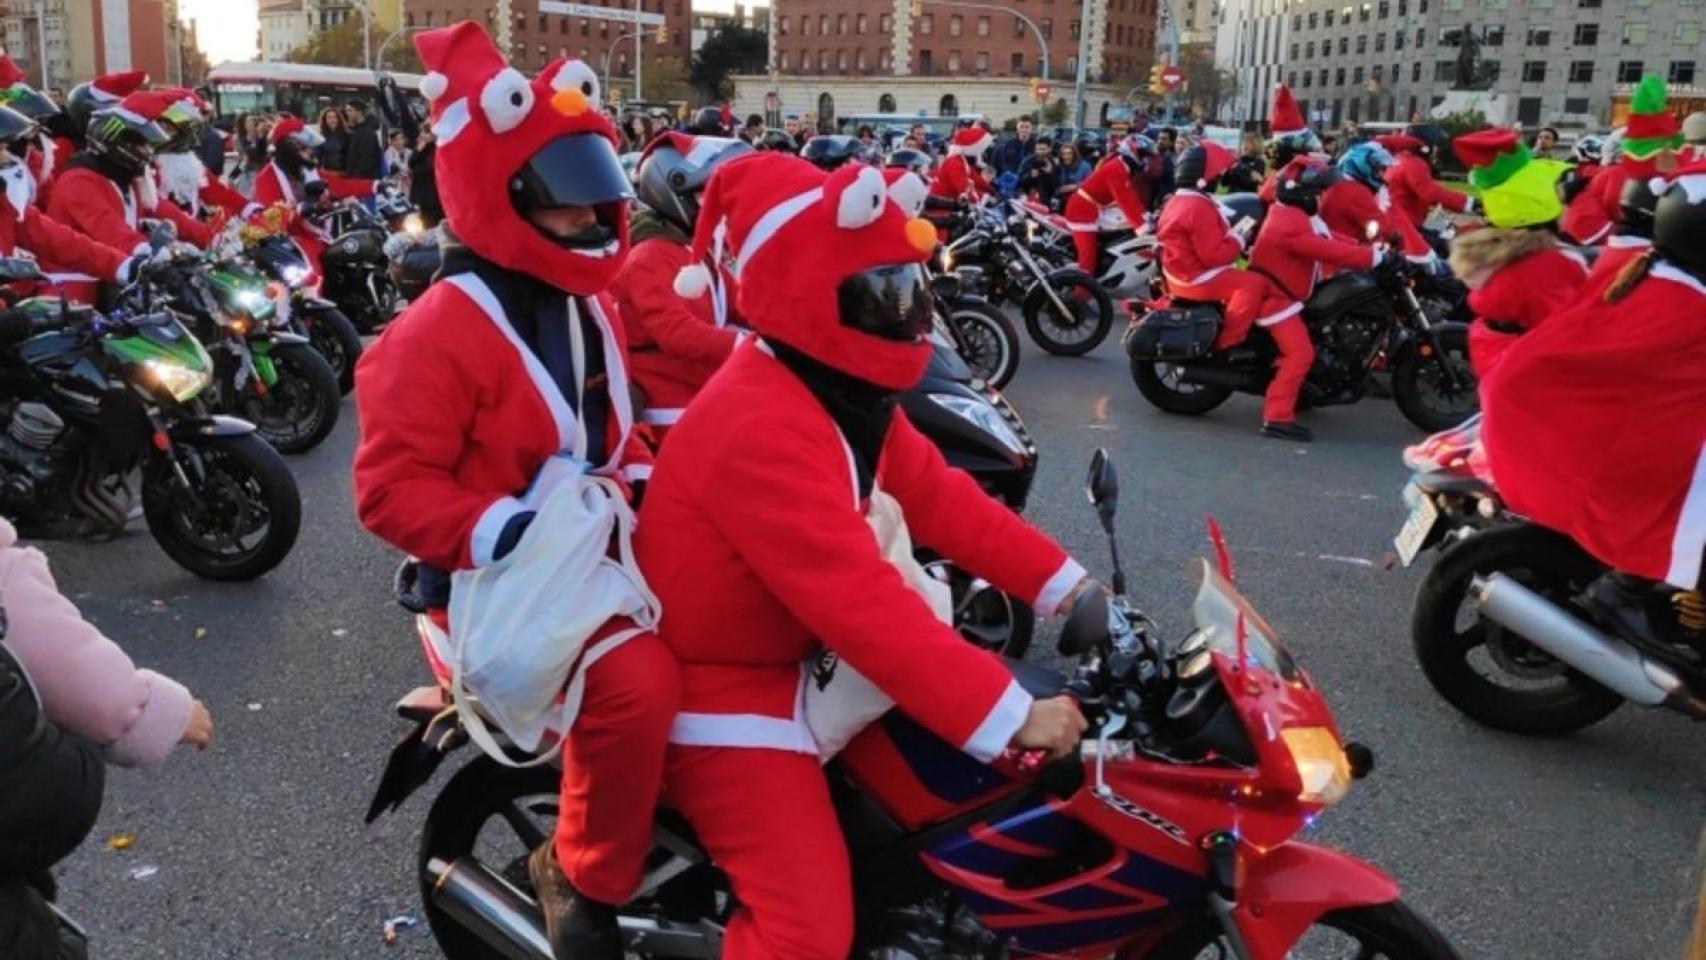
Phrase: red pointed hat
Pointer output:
(10, 75)
(794, 234)
(1481, 148)
(284, 127)
(1397, 143)
(1285, 120)
(113, 87)
(150, 104)
(972, 141)
(495, 127)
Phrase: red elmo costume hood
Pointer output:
(794, 233)
(491, 124)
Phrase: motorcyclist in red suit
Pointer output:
(1290, 251)
(70, 131)
(961, 177)
(39, 153)
(1291, 138)
(757, 515)
(293, 178)
(1127, 180)
(182, 177)
(676, 342)
(1630, 239)
(1411, 181)
(1200, 249)
(510, 368)
(1361, 198)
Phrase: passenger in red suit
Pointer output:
(961, 176)
(1199, 248)
(757, 516)
(293, 178)
(510, 369)
(1593, 423)
(676, 342)
(1594, 211)
(108, 192)
(1126, 180)
(23, 226)
(1361, 198)
(1630, 239)
(71, 131)
(1411, 181)
(1291, 138)
(1290, 251)
(16, 93)
(183, 178)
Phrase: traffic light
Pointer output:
(1034, 84)
(1156, 84)
(663, 36)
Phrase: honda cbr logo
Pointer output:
(1149, 817)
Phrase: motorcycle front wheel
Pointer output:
(990, 339)
(1490, 674)
(240, 514)
(1088, 316)
(1162, 384)
(335, 337)
(1435, 389)
(1391, 931)
(300, 409)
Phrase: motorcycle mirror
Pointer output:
(1086, 626)
(1103, 486)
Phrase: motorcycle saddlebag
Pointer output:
(1174, 333)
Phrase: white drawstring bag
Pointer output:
(519, 627)
(839, 701)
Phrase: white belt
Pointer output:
(1203, 277)
(662, 416)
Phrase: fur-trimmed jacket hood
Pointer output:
(1489, 248)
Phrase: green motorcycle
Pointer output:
(89, 404)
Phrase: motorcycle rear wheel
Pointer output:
(301, 408)
(1091, 309)
(991, 341)
(253, 509)
(1420, 389)
(1391, 931)
(1159, 383)
(332, 333)
(1529, 692)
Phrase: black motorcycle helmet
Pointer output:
(29, 102)
(80, 107)
(917, 161)
(1638, 203)
(124, 141)
(1302, 182)
(830, 151)
(1190, 168)
(1679, 230)
(575, 170)
(708, 122)
(16, 131)
(1435, 142)
(777, 140)
(669, 181)
(892, 303)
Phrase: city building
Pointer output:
(598, 32)
(1197, 21)
(83, 38)
(826, 99)
(1546, 61)
(705, 22)
(1250, 45)
(284, 26)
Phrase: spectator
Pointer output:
(791, 127)
(1011, 153)
(921, 135)
(638, 132)
(1694, 135)
(1166, 144)
(1070, 171)
(332, 153)
(1330, 146)
(1545, 142)
(909, 142)
(1246, 174)
(867, 136)
(211, 149)
(423, 180)
(1038, 173)
(57, 95)
(753, 132)
(364, 154)
(808, 128)
(397, 154)
(251, 137)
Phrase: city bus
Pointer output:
(300, 89)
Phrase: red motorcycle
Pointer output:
(1169, 835)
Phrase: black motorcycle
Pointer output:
(304, 310)
(86, 400)
(1359, 322)
(357, 275)
(982, 335)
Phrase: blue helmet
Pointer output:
(1366, 163)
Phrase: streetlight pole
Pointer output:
(1172, 48)
(639, 51)
(1042, 41)
(1080, 103)
(41, 40)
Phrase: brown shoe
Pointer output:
(578, 928)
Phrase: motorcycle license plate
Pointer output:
(1416, 528)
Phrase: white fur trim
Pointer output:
(635, 472)
(1280, 315)
(481, 295)
(1058, 586)
(662, 416)
(1690, 536)
(861, 204)
(773, 220)
(692, 281)
(1666, 271)
(1000, 725)
(1598, 235)
(147, 192)
(1621, 241)
(1693, 186)
(484, 540)
(450, 121)
(434, 84)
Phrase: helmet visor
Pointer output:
(576, 170)
(28, 102)
(888, 302)
(14, 125)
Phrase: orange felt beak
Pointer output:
(921, 233)
(569, 102)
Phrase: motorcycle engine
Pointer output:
(934, 930)
(28, 458)
(1342, 345)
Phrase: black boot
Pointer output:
(1623, 602)
(1286, 430)
(578, 928)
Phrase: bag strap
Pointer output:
(476, 724)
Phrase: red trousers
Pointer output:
(1296, 355)
(1486, 345)
(765, 817)
(1240, 295)
(1084, 215)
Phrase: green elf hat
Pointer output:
(1651, 126)
(1516, 189)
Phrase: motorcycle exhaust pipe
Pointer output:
(1214, 377)
(489, 907)
(1612, 663)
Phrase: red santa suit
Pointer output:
(960, 177)
(1517, 283)
(1289, 253)
(89, 201)
(24, 227)
(470, 412)
(1619, 251)
(1118, 181)
(1199, 258)
(103, 91)
(1591, 215)
(274, 184)
(756, 516)
(1348, 207)
(1593, 427)
(1411, 184)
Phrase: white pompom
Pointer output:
(434, 84)
(692, 282)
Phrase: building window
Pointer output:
(1047, 28)
(1379, 42)
(1073, 30)
(1534, 71)
(1493, 71)
(927, 24)
(1362, 44)
(1356, 76)
(1072, 65)
(1385, 9)
(1017, 66)
(885, 23)
(1443, 70)
(1687, 33)
(1344, 46)
(1576, 105)
(823, 25)
(948, 106)
(1682, 71)
(859, 59)
(1339, 77)
(841, 25)
(1362, 13)
(1323, 80)
(925, 63)
(1629, 71)
(1493, 36)
(1294, 51)
(1587, 4)
(1416, 72)
(883, 59)
(1539, 37)
(1018, 28)
(1326, 18)
(823, 61)
(1451, 38)
(782, 60)
(1378, 73)
(953, 61)
(1421, 37)
(1581, 71)
(806, 27)
(1587, 34)
(1297, 21)
(982, 62)
(956, 25)
(1397, 39)
(860, 25)
(1634, 34)
(1312, 21)
(983, 26)
(1307, 79)
(563, 27)
(885, 103)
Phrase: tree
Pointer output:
(1055, 114)
(191, 56)
(337, 46)
(730, 50)
(666, 78)
(1206, 86)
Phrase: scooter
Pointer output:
(1168, 833)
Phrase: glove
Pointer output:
(162, 233)
(131, 269)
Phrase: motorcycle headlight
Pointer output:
(254, 303)
(294, 275)
(178, 380)
(413, 225)
(1321, 764)
(982, 415)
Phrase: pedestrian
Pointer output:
(1166, 144)
(753, 130)
(1013, 151)
(1070, 171)
(397, 154)
(364, 156)
(1330, 146)
(868, 136)
(211, 148)
(331, 152)
(638, 132)
(791, 127)
(921, 134)
(1694, 136)
(57, 95)
(1246, 175)
(423, 179)
(1037, 174)
(1545, 142)
(808, 128)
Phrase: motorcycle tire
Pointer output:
(1392, 931)
(1546, 562)
(991, 341)
(332, 333)
(247, 489)
(1092, 314)
(1195, 401)
(474, 796)
(301, 408)
(1418, 389)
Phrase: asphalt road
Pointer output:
(1519, 849)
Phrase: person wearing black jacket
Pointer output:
(423, 181)
(364, 155)
(1039, 174)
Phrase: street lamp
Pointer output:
(636, 35)
(1042, 42)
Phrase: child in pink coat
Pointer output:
(85, 683)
